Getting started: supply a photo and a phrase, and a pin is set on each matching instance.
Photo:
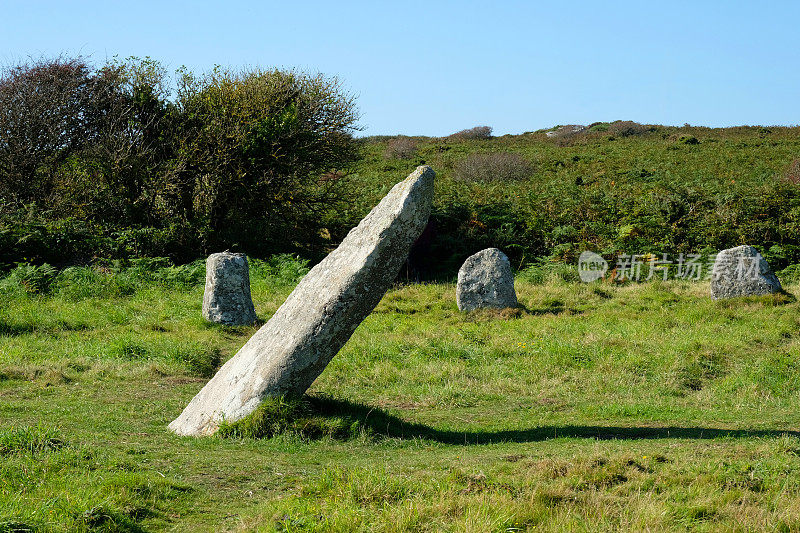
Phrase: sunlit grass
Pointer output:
(593, 407)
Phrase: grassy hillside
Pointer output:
(610, 407)
(615, 188)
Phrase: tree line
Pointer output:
(126, 159)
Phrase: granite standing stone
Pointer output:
(742, 271)
(227, 297)
(485, 280)
(288, 353)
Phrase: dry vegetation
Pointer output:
(492, 167)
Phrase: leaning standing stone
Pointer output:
(485, 280)
(742, 271)
(227, 297)
(288, 353)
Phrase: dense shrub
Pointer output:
(792, 172)
(105, 162)
(627, 128)
(478, 132)
(400, 148)
(496, 166)
(465, 224)
(48, 110)
(598, 126)
(650, 194)
(80, 140)
(263, 137)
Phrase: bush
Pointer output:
(266, 136)
(792, 172)
(132, 172)
(400, 148)
(34, 279)
(478, 132)
(38, 236)
(79, 138)
(599, 126)
(47, 114)
(627, 128)
(280, 269)
(497, 166)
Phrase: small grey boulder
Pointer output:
(485, 280)
(741, 271)
(565, 131)
(227, 297)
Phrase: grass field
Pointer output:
(594, 407)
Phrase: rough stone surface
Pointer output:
(561, 131)
(485, 280)
(227, 296)
(742, 271)
(288, 353)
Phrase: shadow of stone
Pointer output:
(549, 310)
(383, 423)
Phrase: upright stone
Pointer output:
(742, 271)
(288, 353)
(485, 280)
(227, 297)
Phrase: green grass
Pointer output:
(642, 193)
(594, 407)
(663, 190)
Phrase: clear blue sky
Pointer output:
(431, 68)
